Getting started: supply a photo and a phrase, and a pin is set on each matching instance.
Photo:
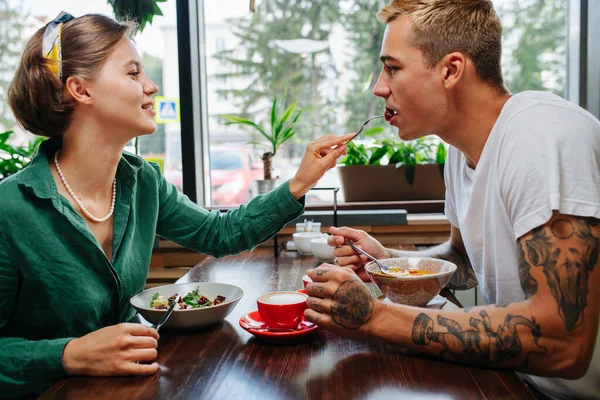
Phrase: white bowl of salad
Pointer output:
(200, 303)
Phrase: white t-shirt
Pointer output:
(543, 154)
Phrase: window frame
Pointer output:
(593, 60)
(583, 54)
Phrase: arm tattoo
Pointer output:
(479, 343)
(528, 282)
(352, 305)
(464, 278)
(567, 272)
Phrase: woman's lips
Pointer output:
(150, 110)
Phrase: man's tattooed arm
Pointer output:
(517, 336)
(453, 251)
(550, 333)
(464, 278)
(566, 250)
(480, 342)
(558, 264)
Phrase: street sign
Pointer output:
(167, 110)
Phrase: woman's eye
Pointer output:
(134, 73)
(391, 69)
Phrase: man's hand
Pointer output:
(114, 350)
(340, 302)
(347, 257)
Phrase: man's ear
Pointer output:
(453, 66)
(77, 89)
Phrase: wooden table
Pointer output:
(226, 362)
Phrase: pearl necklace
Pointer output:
(79, 203)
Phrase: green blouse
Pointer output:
(57, 284)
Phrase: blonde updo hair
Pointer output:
(35, 94)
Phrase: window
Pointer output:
(534, 44)
(323, 52)
(157, 46)
(219, 44)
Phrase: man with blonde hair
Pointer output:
(523, 199)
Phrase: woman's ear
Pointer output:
(77, 89)
(453, 68)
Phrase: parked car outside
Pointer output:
(233, 171)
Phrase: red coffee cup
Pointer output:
(306, 280)
(283, 309)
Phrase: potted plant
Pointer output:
(143, 11)
(282, 128)
(393, 170)
(15, 158)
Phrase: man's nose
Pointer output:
(381, 89)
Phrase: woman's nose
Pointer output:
(150, 87)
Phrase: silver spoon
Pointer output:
(382, 267)
(165, 317)
(162, 321)
(363, 126)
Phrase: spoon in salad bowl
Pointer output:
(164, 319)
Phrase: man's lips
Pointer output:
(389, 114)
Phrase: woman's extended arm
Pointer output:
(220, 234)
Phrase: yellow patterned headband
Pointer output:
(51, 43)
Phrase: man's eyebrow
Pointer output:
(388, 58)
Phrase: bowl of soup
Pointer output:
(415, 280)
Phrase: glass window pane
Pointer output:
(326, 55)
(534, 45)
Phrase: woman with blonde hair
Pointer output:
(77, 226)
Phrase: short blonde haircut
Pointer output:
(441, 27)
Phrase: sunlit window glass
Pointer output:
(324, 56)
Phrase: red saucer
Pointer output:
(253, 323)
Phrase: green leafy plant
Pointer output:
(15, 158)
(398, 153)
(142, 11)
(282, 128)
